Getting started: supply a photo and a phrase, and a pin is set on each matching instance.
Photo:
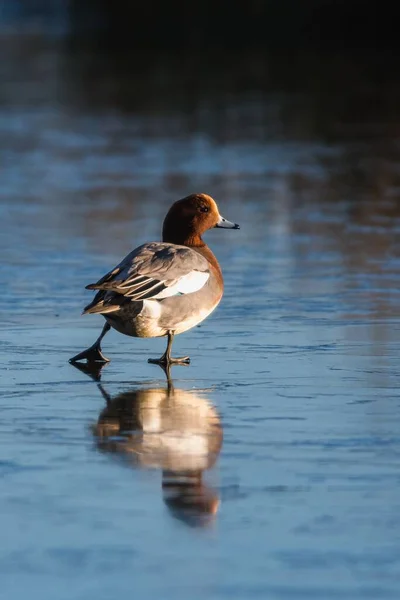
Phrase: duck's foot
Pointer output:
(167, 362)
(92, 355)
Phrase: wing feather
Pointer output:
(152, 271)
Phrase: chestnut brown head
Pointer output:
(189, 218)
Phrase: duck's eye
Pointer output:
(204, 208)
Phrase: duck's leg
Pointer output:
(166, 358)
(94, 353)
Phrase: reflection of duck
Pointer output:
(174, 430)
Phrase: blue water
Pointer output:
(281, 441)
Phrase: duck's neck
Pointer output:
(205, 251)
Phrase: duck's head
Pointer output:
(189, 218)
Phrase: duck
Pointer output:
(165, 288)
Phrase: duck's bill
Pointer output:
(225, 224)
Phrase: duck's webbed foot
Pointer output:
(94, 353)
(166, 359)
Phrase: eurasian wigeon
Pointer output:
(163, 288)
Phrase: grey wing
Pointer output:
(155, 271)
